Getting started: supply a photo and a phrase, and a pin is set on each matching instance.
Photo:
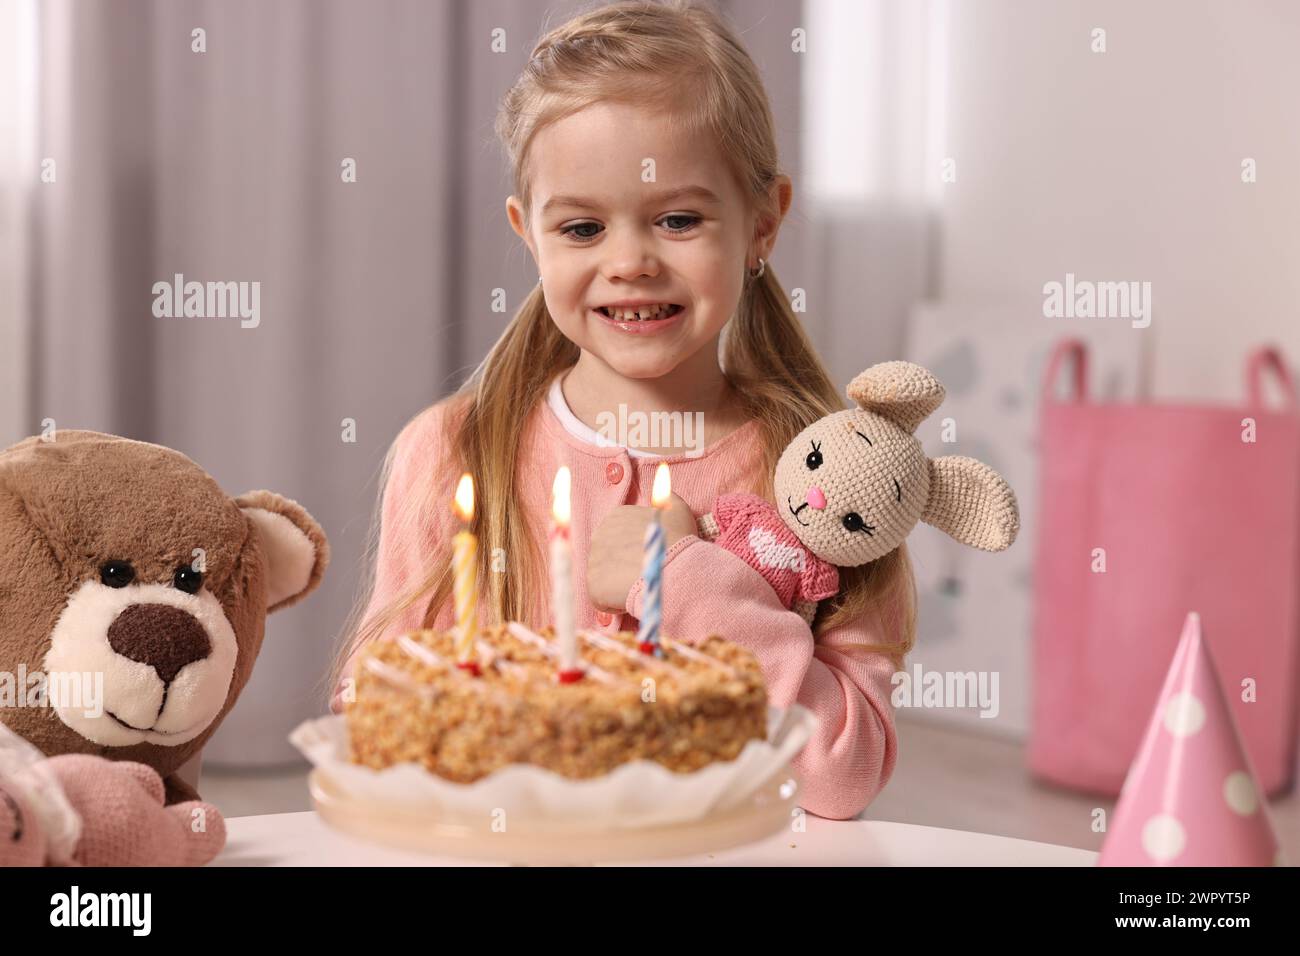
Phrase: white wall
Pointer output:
(1127, 165)
(1116, 165)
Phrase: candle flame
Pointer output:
(560, 497)
(662, 487)
(464, 504)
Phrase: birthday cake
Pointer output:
(691, 707)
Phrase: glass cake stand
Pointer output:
(770, 809)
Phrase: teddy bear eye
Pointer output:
(117, 574)
(814, 459)
(187, 579)
(853, 522)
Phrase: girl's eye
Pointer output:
(853, 522)
(570, 230)
(692, 222)
(814, 459)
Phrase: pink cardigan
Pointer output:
(706, 589)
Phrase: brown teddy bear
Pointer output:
(134, 595)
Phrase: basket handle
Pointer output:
(1077, 350)
(1268, 357)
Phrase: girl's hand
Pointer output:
(617, 549)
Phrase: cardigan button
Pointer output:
(603, 618)
(614, 472)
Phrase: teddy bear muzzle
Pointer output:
(153, 664)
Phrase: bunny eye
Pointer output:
(853, 522)
(814, 459)
(862, 436)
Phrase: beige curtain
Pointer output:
(225, 165)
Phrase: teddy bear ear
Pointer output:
(972, 503)
(903, 392)
(295, 546)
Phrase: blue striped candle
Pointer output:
(647, 634)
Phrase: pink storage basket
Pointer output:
(1191, 518)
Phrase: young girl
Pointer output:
(646, 173)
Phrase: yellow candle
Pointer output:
(465, 581)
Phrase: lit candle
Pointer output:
(652, 570)
(562, 579)
(465, 568)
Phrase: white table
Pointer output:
(303, 839)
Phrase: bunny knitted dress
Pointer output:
(751, 529)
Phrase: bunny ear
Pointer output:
(972, 503)
(902, 392)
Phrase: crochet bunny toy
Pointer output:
(852, 485)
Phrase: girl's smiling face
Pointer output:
(601, 234)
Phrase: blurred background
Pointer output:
(949, 160)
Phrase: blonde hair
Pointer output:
(617, 52)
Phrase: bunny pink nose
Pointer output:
(816, 498)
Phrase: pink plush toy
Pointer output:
(81, 810)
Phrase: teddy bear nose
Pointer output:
(164, 637)
(816, 498)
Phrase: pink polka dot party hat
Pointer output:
(1191, 797)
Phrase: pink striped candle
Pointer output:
(562, 609)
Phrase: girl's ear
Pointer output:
(903, 392)
(294, 544)
(972, 503)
